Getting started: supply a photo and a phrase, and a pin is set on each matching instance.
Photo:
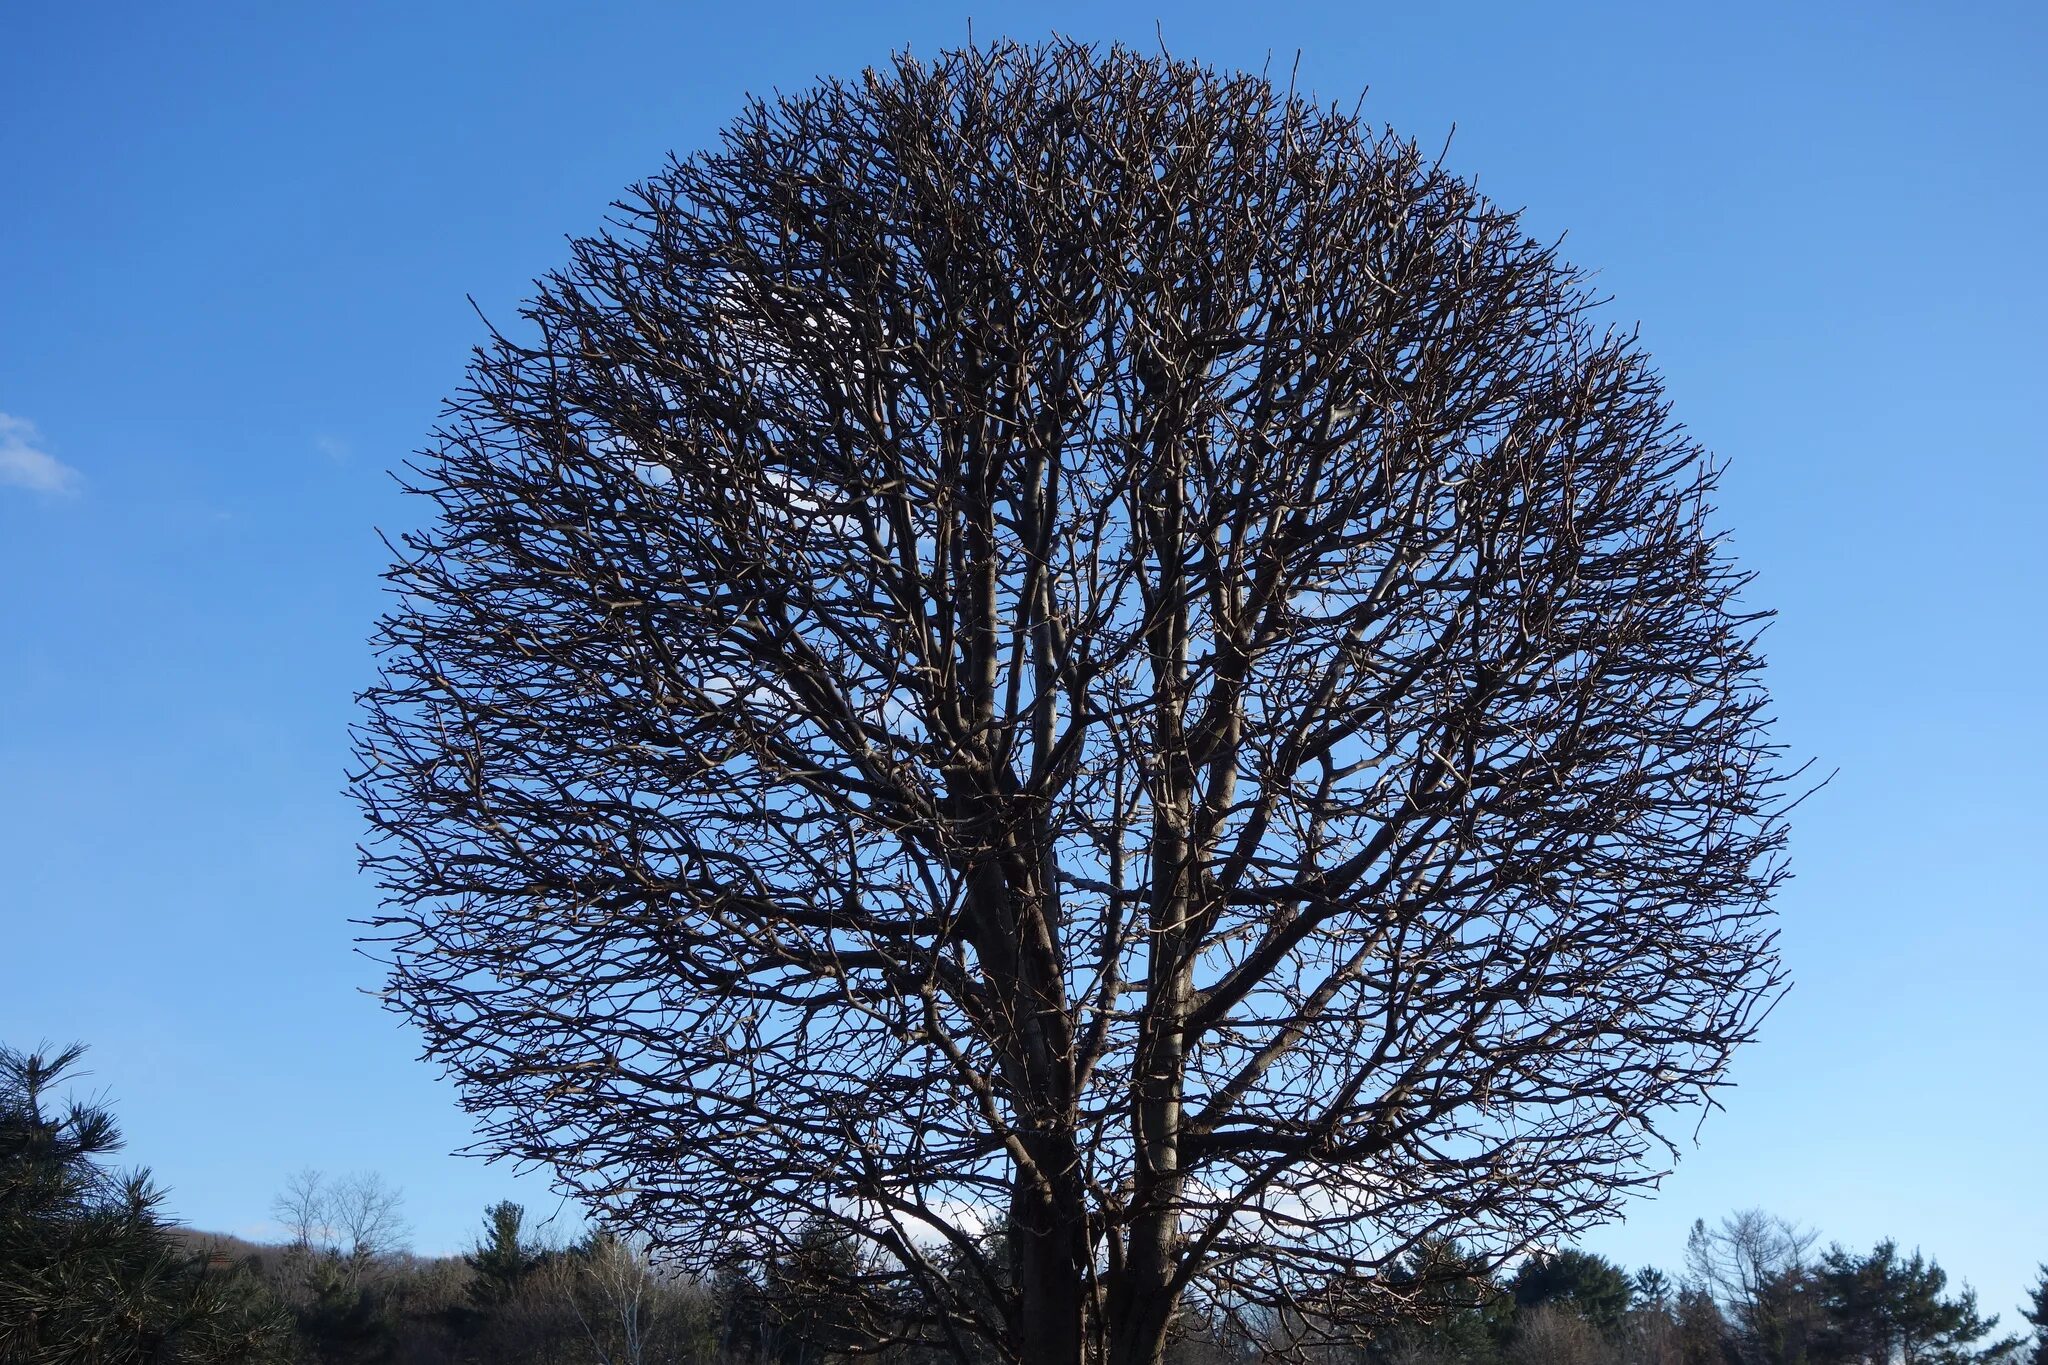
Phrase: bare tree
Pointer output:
(1556, 1334)
(1059, 643)
(1755, 1266)
(368, 1214)
(1750, 1250)
(302, 1210)
(620, 1280)
(352, 1223)
(1652, 1335)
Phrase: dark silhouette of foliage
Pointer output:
(1888, 1309)
(90, 1272)
(344, 1321)
(806, 1305)
(1592, 1286)
(600, 1301)
(1451, 1309)
(502, 1259)
(1651, 1287)
(2036, 1313)
(1703, 1334)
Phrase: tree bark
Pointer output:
(1049, 1247)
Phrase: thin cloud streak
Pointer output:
(25, 464)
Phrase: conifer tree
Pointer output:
(1592, 1286)
(1887, 1309)
(2036, 1313)
(90, 1271)
(501, 1260)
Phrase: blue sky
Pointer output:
(234, 255)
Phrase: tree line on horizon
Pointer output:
(92, 1272)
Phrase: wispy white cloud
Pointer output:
(332, 446)
(25, 464)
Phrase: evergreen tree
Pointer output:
(1594, 1287)
(794, 1308)
(1704, 1337)
(1884, 1309)
(344, 1320)
(90, 1271)
(2036, 1314)
(1455, 1310)
(502, 1261)
(1651, 1331)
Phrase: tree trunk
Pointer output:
(1139, 1336)
(1048, 1251)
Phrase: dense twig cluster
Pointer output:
(1062, 642)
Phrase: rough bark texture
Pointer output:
(1092, 675)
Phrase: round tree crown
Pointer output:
(1091, 675)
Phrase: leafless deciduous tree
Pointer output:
(301, 1209)
(1756, 1267)
(1059, 642)
(355, 1220)
(1553, 1334)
